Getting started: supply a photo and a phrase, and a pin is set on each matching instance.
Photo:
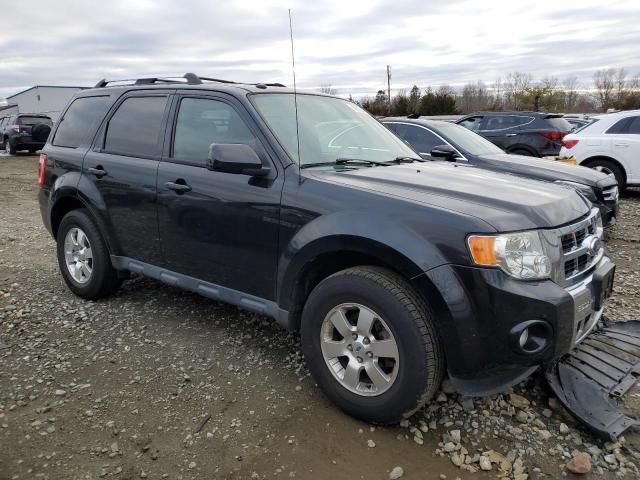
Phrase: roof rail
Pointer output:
(187, 78)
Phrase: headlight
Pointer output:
(585, 190)
(520, 255)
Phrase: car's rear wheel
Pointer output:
(520, 151)
(370, 343)
(8, 148)
(83, 257)
(610, 168)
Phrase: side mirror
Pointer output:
(444, 151)
(235, 158)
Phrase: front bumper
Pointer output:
(483, 312)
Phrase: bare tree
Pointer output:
(326, 88)
(604, 81)
(515, 87)
(570, 86)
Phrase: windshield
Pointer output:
(466, 140)
(329, 128)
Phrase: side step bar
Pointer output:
(606, 364)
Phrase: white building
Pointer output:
(44, 99)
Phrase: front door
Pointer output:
(123, 165)
(215, 226)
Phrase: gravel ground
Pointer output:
(159, 383)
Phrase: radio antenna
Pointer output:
(295, 94)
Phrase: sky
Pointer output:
(344, 43)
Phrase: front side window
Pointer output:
(202, 122)
(472, 123)
(135, 128)
(329, 128)
(421, 139)
(83, 114)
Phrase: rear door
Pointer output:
(624, 142)
(505, 130)
(215, 226)
(123, 165)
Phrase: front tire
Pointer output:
(369, 341)
(610, 168)
(8, 148)
(83, 257)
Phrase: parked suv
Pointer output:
(533, 134)
(446, 141)
(306, 209)
(25, 131)
(610, 144)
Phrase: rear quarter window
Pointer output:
(81, 117)
(559, 124)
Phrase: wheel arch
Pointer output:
(326, 256)
(587, 162)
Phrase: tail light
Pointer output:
(569, 143)
(15, 128)
(554, 136)
(42, 167)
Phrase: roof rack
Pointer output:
(186, 79)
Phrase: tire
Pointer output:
(103, 279)
(8, 148)
(610, 168)
(401, 315)
(33, 150)
(520, 151)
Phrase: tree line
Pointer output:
(612, 88)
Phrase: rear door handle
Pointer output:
(178, 187)
(98, 171)
(622, 144)
(511, 134)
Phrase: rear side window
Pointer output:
(420, 139)
(135, 127)
(634, 126)
(472, 123)
(618, 127)
(83, 115)
(202, 122)
(502, 122)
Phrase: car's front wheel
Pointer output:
(369, 341)
(83, 257)
(8, 148)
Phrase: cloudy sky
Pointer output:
(345, 43)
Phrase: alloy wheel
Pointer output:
(359, 349)
(78, 255)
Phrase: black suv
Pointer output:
(533, 134)
(436, 140)
(25, 131)
(394, 269)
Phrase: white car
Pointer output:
(611, 144)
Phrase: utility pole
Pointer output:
(389, 87)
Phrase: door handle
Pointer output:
(98, 171)
(622, 144)
(511, 134)
(178, 187)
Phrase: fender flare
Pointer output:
(394, 243)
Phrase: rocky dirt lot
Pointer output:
(159, 383)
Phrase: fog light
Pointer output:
(524, 338)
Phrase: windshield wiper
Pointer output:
(408, 160)
(346, 161)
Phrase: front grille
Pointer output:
(576, 240)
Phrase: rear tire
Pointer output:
(520, 151)
(386, 303)
(610, 168)
(83, 257)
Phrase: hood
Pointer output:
(504, 202)
(548, 170)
